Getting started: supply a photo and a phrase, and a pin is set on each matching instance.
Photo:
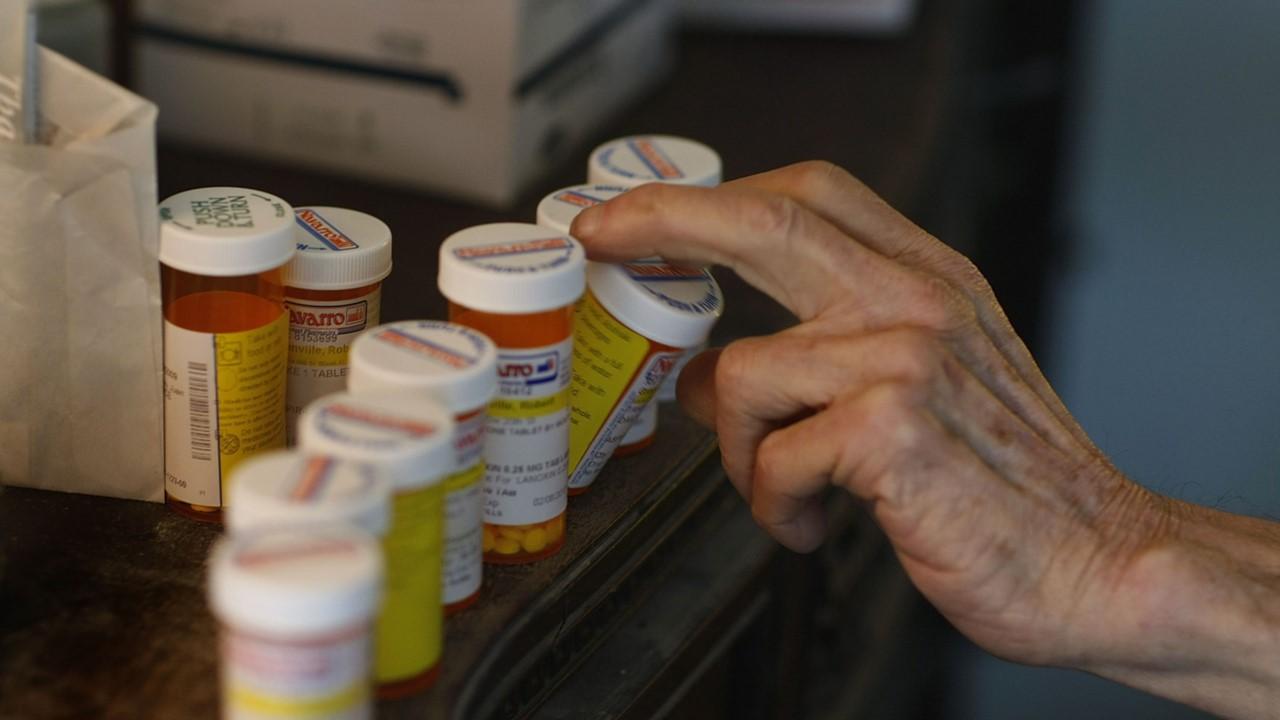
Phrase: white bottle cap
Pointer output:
(225, 231)
(409, 436)
(286, 488)
(511, 268)
(338, 249)
(452, 364)
(671, 305)
(296, 581)
(557, 210)
(640, 159)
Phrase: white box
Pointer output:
(472, 98)
(854, 17)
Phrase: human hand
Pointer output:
(905, 384)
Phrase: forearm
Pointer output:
(1205, 608)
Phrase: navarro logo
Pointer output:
(412, 428)
(343, 319)
(580, 199)
(314, 476)
(530, 370)
(476, 252)
(324, 231)
(657, 161)
(422, 346)
(659, 370)
(649, 272)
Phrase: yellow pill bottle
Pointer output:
(630, 329)
(289, 488)
(295, 608)
(632, 161)
(410, 438)
(222, 257)
(517, 283)
(457, 367)
(333, 291)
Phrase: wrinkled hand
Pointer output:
(904, 384)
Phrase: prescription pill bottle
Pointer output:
(226, 338)
(296, 608)
(631, 327)
(287, 488)
(457, 367)
(333, 290)
(637, 160)
(557, 211)
(517, 283)
(410, 438)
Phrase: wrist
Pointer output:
(1201, 615)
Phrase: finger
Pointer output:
(846, 202)
(841, 199)
(696, 387)
(781, 248)
(761, 384)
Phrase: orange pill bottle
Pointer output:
(333, 292)
(226, 338)
(634, 323)
(517, 283)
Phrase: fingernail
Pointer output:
(587, 223)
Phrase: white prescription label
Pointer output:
(320, 336)
(464, 514)
(644, 385)
(327, 678)
(527, 446)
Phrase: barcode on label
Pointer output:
(198, 393)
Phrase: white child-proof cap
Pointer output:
(557, 210)
(671, 305)
(296, 581)
(640, 159)
(409, 436)
(287, 488)
(338, 249)
(511, 268)
(453, 364)
(225, 231)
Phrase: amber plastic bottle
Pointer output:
(517, 284)
(222, 251)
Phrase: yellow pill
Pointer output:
(488, 540)
(555, 528)
(535, 540)
(507, 546)
(510, 531)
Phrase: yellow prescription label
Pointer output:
(224, 402)
(409, 631)
(612, 382)
(320, 336)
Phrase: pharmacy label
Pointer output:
(224, 402)
(526, 447)
(320, 336)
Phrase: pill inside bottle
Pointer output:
(517, 283)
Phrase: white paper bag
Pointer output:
(80, 341)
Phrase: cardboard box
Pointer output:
(471, 98)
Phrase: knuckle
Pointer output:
(816, 176)
(938, 304)
(916, 353)
(771, 216)
(736, 365)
